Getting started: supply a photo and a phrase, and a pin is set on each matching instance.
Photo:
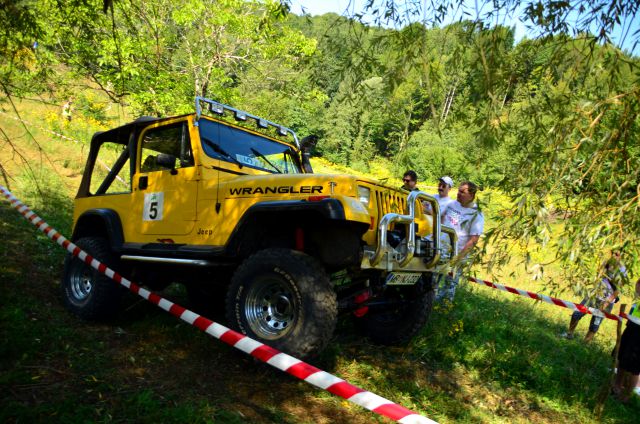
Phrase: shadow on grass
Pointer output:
(484, 360)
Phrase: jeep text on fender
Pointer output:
(237, 216)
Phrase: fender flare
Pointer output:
(330, 209)
(101, 223)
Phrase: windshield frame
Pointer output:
(243, 147)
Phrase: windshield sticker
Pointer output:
(153, 206)
(248, 160)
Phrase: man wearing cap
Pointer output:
(464, 216)
(444, 185)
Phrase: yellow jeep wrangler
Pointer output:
(233, 211)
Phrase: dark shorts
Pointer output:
(594, 325)
(629, 354)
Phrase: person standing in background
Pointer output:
(629, 355)
(445, 184)
(606, 295)
(66, 109)
(409, 180)
(464, 216)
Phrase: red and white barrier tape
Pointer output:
(557, 302)
(264, 353)
(24, 121)
(104, 165)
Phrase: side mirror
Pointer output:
(306, 144)
(167, 161)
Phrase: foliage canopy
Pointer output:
(551, 120)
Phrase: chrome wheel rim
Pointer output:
(81, 283)
(270, 309)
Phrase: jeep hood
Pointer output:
(299, 185)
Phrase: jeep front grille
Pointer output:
(388, 201)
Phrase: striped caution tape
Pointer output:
(557, 302)
(264, 353)
(104, 165)
(24, 121)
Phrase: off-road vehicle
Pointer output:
(232, 210)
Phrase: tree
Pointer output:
(563, 108)
(154, 57)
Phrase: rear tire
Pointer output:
(401, 323)
(86, 292)
(283, 298)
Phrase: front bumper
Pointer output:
(412, 255)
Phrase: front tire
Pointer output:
(283, 298)
(400, 323)
(86, 292)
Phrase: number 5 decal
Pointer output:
(153, 206)
(153, 210)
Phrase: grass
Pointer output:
(491, 357)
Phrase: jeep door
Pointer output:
(165, 184)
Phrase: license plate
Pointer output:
(402, 279)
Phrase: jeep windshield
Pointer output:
(243, 148)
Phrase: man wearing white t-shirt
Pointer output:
(466, 219)
(444, 185)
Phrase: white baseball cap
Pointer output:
(447, 180)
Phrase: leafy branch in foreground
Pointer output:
(558, 115)
(582, 166)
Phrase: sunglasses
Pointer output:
(406, 180)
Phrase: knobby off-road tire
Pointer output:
(284, 299)
(400, 324)
(85, 292)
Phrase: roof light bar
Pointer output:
(216, 108)
(239, 115)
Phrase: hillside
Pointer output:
(490, 357)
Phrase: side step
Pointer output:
(176, 261)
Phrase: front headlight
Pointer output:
(364, 194)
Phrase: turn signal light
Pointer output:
(316, 198)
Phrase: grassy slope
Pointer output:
(493, 357)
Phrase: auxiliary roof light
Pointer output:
(240, 116)
(262, 123)
(216, 108)
(282, 131)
